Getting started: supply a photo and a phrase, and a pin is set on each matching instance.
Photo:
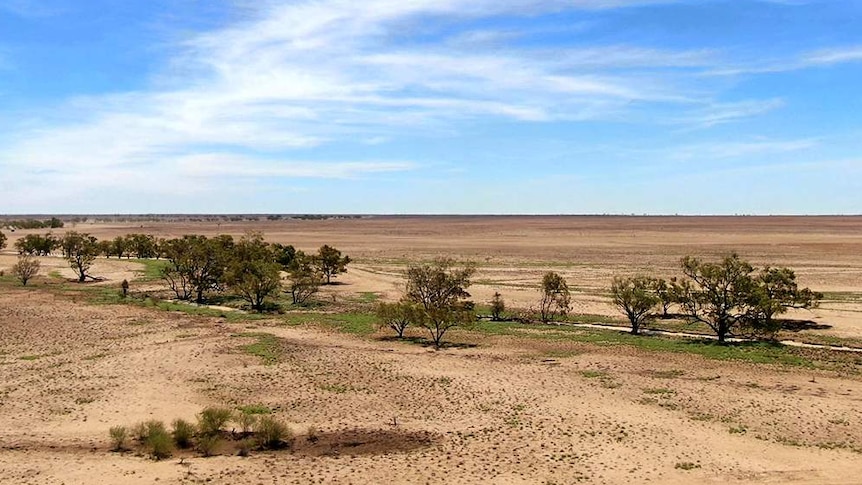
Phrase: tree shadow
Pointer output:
(426, 342)
(800, 325)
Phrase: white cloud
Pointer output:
(221, 165)
(307, 74)
(834, 56)
(721, 113)
(742, 149)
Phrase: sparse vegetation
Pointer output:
(183, 433)
(329, 262)
(26, 268)
(158, 441)
(728, 295)
(441, 290)
(303, 278)
(253, 272)
(498, 306)
(556, 298)
(212, 420)
(267, 347)
(636, 298)
(119, 437)
(80, 250)
(271, 434)
(398, 316)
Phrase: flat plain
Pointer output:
(507, 403)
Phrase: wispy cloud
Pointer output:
(721, 113)
(253, 98)
(742, 149)
(221, 165)
(807, 60)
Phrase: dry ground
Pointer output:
(512, 409)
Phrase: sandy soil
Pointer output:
(509, 411)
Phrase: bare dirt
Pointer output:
(505, 409)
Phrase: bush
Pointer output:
(159, 441)
(207, 444)
(271, 433)
(139, 432)
(212, 420)
(183, 433)
(26, 268)
(119, 435)
(498, 306)
(246, 422)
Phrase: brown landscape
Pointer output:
(503, 403)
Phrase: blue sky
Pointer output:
(431, 106)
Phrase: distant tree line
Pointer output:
(52, 223)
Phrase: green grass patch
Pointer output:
(152, 270)
(595, 319)
(267, 347)
(253, 409)
(755, 352)
(368, 297)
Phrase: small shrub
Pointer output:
(207, 444)
(246, 422)
(686, 465)
(212, 420)
(119, 435)
(498, 306)
(183, 433)
(139, 432)
(159, 441)
(271, 433)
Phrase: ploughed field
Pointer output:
(505, 403)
